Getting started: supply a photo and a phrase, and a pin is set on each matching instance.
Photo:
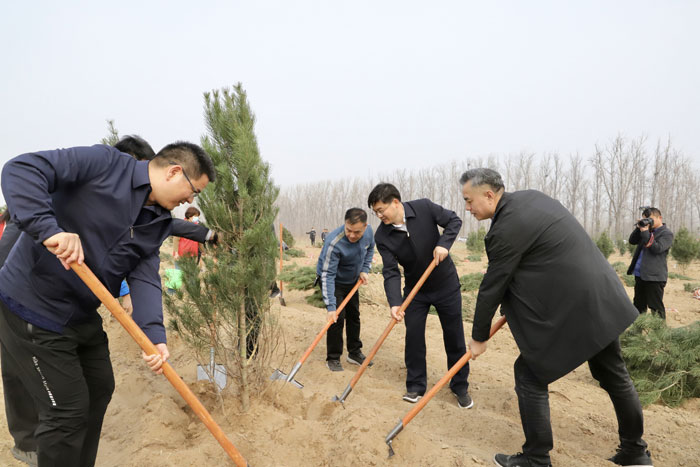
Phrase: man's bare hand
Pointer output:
(477, 348)
(440, 253)
(67, 248)
(398, 316)
(155, 362)
(332, 316)
(126, 304)
(364, 277)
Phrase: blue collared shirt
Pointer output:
(100, 194)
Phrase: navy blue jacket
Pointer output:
(342, 261)
(414, 250)
(100, 194)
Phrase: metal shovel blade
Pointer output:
(282, 376)
(218, 372)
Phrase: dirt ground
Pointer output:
(147, 423)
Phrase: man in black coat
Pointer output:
(564, 305)
(653, 240)
(409, 236)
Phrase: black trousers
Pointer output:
(21, 413)
(70, 380)
(649, 294)
(448, 303)
(608, 368)
(350, 316)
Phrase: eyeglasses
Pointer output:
(378, 212)
(195, 192)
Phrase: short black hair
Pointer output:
(383, 193)
(136, 147)
(355, 215)
(483, 176)
(651, 211)
(190, 156)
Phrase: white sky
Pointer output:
(348, 88)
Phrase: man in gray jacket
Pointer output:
(653, 240)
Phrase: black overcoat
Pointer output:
(562, 299)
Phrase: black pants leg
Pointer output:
(351, 314)
(533, 401)
(414, 351)
(69, 376)
(449, 309)
(22, 417)
(655, 298)
(609, 369)
(649, 294)
(640, 296)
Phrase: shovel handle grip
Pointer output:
(145, 343)
(448, 376)
(391, 324)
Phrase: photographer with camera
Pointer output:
(653, 240)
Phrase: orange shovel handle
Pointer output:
(144, 342)
(448, 376)
(391, 324)
(329, 323)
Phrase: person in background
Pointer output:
(184, 246)
(649, 266)
(312, 236)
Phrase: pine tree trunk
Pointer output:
(242, 347)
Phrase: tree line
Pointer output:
(603, 190)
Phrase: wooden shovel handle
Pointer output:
(329, 323)
(144, 342)
(448, 376)
(391, 324)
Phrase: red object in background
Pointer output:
(2, 228)
(187, 247)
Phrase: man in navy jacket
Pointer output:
(345, 258)
(409, 236)
(98, 205)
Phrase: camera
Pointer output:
(646, 221)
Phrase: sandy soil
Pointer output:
(147, 423)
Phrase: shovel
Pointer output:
(213, 373)
(290, 378)
(144, 342)
(439, 385)
(386, 332)
(282, 302)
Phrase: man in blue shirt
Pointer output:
(346, 257)
(97, 205)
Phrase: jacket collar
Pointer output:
(408, 210)
(140, 177)
(501, 202)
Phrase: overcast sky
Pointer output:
(345, 89)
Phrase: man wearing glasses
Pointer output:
(409, 236)
(99, 206)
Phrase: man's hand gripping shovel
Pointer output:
(280, 375)
(384, 335)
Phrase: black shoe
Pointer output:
(28, 457)
(357, 359)
(631, 460)
(516, 460)
(412, 397)
(334, 365)
(464, 401)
